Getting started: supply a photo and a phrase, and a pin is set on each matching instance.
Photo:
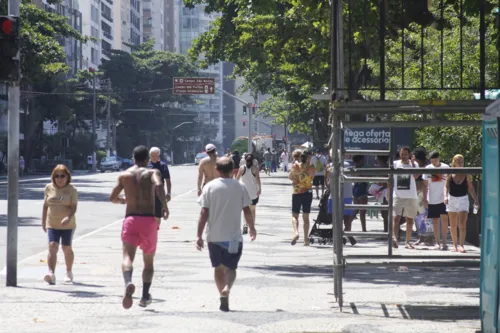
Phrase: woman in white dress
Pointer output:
(248, 174)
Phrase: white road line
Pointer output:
(4, 270)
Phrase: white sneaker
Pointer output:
(50, 278)
(68, 277)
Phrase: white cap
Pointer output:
(209, 147)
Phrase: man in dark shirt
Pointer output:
(155, 163)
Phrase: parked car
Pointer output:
(199, 157)
(115, 163)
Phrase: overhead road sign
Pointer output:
(194, 86)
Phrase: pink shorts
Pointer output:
(140, 231)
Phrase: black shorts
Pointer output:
(302, 200)
(435, 211)
(255, 201)
(62, 236)
(219, 255)
(158, 208)
(319, 180)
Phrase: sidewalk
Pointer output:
(279, 288)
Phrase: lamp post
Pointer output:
(94, 119)
(172, 139)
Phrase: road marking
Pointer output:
(4, 270)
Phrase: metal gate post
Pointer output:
(390, 196)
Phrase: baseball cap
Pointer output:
(210, 147)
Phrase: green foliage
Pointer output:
(143, 79)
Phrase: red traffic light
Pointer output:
(7, 25)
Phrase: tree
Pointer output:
(143, 79)
(282, 47)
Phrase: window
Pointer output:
(94, 55)
(106, 12)
(95, 32)
(94, 14)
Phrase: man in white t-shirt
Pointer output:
(434, 200)
(222, 201)
(284, 160)
(405, 197)
(319, 163)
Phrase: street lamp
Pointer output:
(172, 139)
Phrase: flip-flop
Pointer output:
(409, 247)
(454, 250)
(294, 240)
(127, 298)
(461, 250)
(395, 244)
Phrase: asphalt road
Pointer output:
(94, 209)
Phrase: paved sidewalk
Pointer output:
(279, 288)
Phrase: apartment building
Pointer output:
(154, 22)
(193, 22)
(171, 24)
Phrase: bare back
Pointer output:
(208, 167)
(139, 184)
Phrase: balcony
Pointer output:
(107, 35)
(106, 52)
(109, 1)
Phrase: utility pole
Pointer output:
(250, 130)
(94, 121)
(13, 169)
(108, 136)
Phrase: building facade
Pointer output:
(154, 22)
(171, 24)
(194, 22)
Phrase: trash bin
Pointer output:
(490, 245)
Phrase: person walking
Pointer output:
(222, 201)
(156, 163)
(284, 160)
(434, 201)
(456, 199)
(405, 197)
(360, 192)
(319, 162)
(59, 222)
(140, 228)
(236, 162)
(206, 170)
(248, 174)
(268, 156)
(302, 175)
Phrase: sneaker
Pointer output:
(127, 298)
(224, 304)
(68, 277)
(50, 278)
(146, 301)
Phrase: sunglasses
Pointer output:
(60, 176)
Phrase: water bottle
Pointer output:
(476, 208)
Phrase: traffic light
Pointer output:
(9, 48)
(244, 110)
(253, 108)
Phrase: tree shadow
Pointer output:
(446, 277)
(30, 221)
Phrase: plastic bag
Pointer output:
(424, 225)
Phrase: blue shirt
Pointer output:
(162, 166)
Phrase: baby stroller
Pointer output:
(321, 231)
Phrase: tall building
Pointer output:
(72, 47)
(193, 22)
(171, 24)
(135, 22)
(127, 28)
(153, 22)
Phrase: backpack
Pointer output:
(318, 166)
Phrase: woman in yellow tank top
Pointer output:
(302, 175)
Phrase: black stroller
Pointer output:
(321, 231)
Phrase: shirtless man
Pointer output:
(207, 171)
(140, 227)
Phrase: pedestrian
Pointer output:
(296, 156)
(456, 198)
(434, 200)
(405, 197)
(206, 169)
(222, 201)
(22, 165)
(156, 163)
(319, 162)
(140, 228)
(248, 174)
(302, 175)
(236, 162)
(420, 158)
(284, 160)
(360, 192)
(59, 222)
(274, 162)
(268, 156)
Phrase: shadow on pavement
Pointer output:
(72, 293)
(37, 194)
(442, 312)
(22, 221)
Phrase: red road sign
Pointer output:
(194, 86)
